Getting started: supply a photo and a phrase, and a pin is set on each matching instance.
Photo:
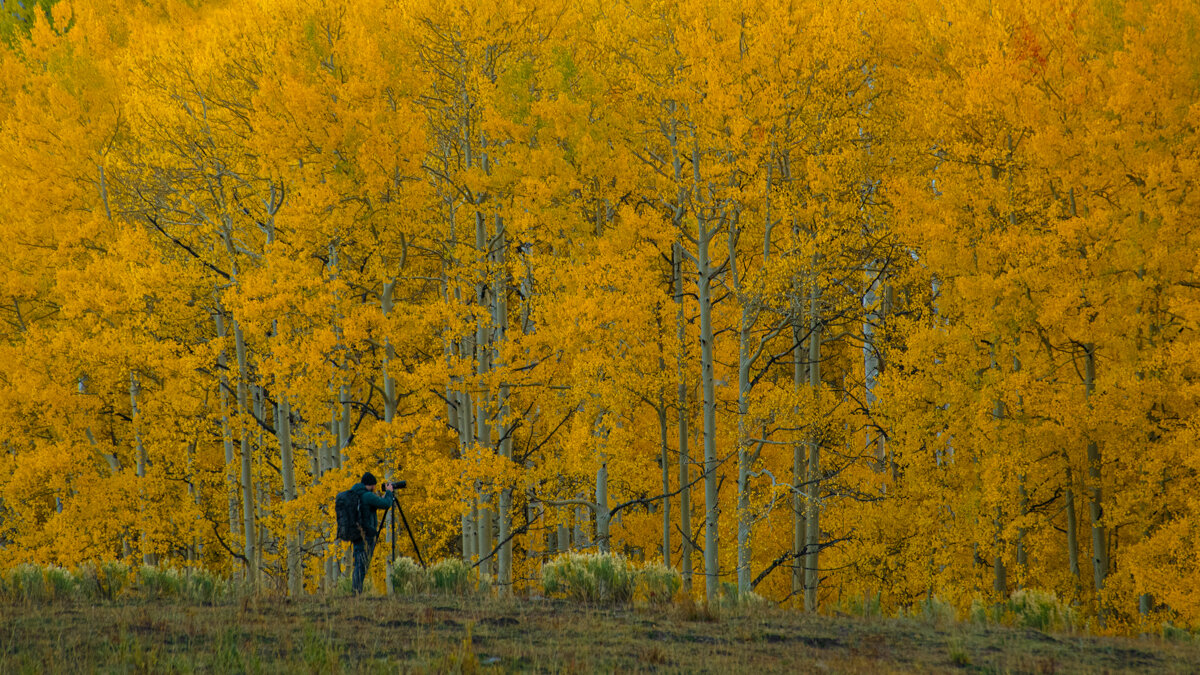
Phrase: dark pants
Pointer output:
(362, 553)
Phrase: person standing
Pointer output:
(369, 503)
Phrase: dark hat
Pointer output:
(368, 478)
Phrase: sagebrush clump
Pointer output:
(657, 583)
(608, 578)
(451, 576)
(409, 578)
(110, 580)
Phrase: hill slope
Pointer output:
(451, 635)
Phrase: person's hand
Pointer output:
(388, 486)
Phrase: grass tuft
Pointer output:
(865, 606)
(932, 611)
(958, 653)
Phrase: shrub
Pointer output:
(156, 583)
(1027, 608)
(60, 583)
(88, 576)
(658, 583)
(1042, 610)
(729, 597)
(933, 611)
(1173, 633)
(107, 581)
(938, 612)
(201, 586)
(451, 577)
(983, 614)
(409, 578)
(567, 576)
(598, 577)
(27, 583)
(113, 578)
(864, 605)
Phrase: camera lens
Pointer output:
(400, 484)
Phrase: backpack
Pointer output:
(347, 506)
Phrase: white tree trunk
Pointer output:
(685, 500)
(389, 414)
(746, 459)
(665, 463)
(872, 364)
(499, 331)
(813, 539)
(999, 570)
(148, 557)
(583, 523)
(1099, 535)
(287, 465)
(602, 520)
(1072, 526)
(704, 275)
(248, 511)
(799, 473)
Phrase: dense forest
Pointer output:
(814, 300)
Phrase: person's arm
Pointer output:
(376, 502)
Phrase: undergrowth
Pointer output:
(109, 581)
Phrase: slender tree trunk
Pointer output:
(485, 530)
(799, 473)
(470, 554)
(1022, 559)
(148, 557)
(665, 463)
(287, 464)
(685, 501)
(999, 571)
(602, 520)
(872, 363)
(563, 534)
(1072, 527)
(813, 539)
(711, 507)
(499, 332)
(260, 503)
(746, 458)
(114, 464)
(248, 510)
(583, 522)
(1099, 537)
(1022, 556)
(343, 456)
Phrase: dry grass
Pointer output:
(438, 634)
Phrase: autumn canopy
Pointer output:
(815, 300)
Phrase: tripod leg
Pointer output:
(410, 535)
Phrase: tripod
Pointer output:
(396, 507)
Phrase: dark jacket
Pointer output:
(369, 502)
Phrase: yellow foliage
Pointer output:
(254, 249)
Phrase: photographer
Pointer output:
(369, 503)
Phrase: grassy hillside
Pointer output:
(375, 634)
